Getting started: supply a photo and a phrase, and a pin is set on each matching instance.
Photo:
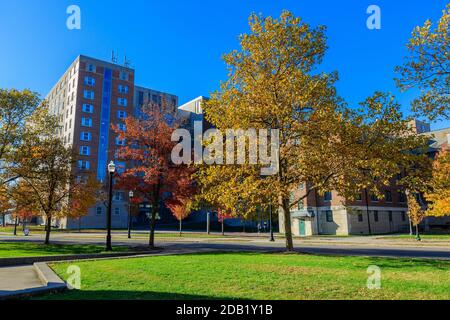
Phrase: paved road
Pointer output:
(337, 246)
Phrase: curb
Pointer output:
(50, 281)
(10, 262)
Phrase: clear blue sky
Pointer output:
(176, 46)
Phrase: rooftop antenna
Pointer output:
(127, 63)
(113, 57)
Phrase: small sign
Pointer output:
(26, 232)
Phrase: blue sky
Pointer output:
(176, 46)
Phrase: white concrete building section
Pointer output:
(341, 220)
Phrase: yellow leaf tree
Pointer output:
(439, 194)
(273, 84)
(428, 68)
(45, 164)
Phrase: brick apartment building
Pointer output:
(91, 96)
(334, 215)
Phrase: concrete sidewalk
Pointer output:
(17, 279)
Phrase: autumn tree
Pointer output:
(45, 165)
(180, 208)
(15, 107)
(147, 151)
(438, 196)
(416, 212)
(5, 203)
(222, 215)
(428, 68)
(25, 205)
(273, 84)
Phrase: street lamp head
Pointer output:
(131, 194)
(111, 167)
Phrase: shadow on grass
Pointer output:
(53, 249)
(395, 263)
(125, 295)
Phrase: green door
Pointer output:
(301, 227)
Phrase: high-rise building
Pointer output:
(91, 96)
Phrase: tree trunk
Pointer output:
(48, 229)
(3, 220)
(151, 241)
(284, 204)
(417, 233)
(15, 225)
(223, 226)
(181, 227)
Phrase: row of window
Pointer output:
(92, 68)
(329, 216)
(87, 122)
(90, 95)
(90, 81)
(116, 210)
(387, 197)
(87, 136)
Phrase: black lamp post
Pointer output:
(111, 170)
(271, 224)
(130, 197)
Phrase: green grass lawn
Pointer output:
(256, 276)
(28, 249)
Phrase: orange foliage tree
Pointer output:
(180, 208)
(147, 151)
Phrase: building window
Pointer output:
(88, 94)
(84, 165)
(123, 88)
(390, 216)
(300, 205)
(140, 98)
(99, 210)
(123, 76)
(86, 122)
(90, 67)
(329, 215)
(89, 108)
(121, 114)
(89, 81)
(360, 216)
(123, 102)
(375, 215)
(388, 196)
(359, 197)
(118, 196)
(122, 127)
(401, 196)
(120, 167)
(327, 196)
(403, 216)
(85, 151)
(120, 142)
(86, 136)
(116, 211)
